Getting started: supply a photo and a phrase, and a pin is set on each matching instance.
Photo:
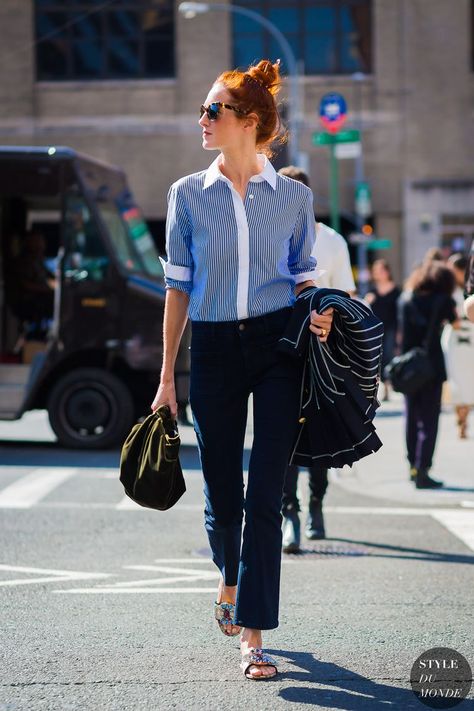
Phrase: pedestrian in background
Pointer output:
(382, 299)
(239, 243)
(332, 256)
(468, 307)
(458, 348)
(429, 297)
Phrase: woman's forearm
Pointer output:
(302, 285)
(174, 322)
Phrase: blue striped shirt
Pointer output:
(238, 258)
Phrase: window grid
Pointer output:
(349, 48)
(123, 40)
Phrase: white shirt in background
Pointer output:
(332, 254)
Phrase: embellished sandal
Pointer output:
(258, 658)
(224, 614)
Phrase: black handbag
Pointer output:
(149, 463)
(411, 371)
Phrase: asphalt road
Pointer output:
(105, 606)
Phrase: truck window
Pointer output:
(86, 257)
(131, 239)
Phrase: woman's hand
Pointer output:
(321, 324)
(166, 395)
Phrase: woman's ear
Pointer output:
(251, 121)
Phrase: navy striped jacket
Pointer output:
(339, 381)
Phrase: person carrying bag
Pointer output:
(423, 308)
(411, 371)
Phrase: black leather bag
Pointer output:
(149, 463)
(411, 371)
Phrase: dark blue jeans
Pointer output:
(230, 360)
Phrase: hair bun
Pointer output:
(266, 74)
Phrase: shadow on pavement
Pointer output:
(346, 689)
(457, 488)
(408, 553)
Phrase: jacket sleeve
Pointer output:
(179, 266)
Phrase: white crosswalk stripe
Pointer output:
(460, 523)
(33, 489)
(30, 489)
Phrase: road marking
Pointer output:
(183, 560)
(159, 585)
(460, 523)
(30, 489)
(121, 591)
(127, 504)
(46, 575)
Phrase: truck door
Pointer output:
(90, 287)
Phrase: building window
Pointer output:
(327, 36)
(92, 39)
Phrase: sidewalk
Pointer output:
(384, 475)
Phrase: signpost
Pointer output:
(347, 144)
(333, 112)
(348, 150)
(325, 139)
(333, 115)
(370, 241)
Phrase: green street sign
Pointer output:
(379, 244)
(327, 139)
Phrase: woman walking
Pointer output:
(423, 310)
(383, 301)
(239, 241)
(458, 348)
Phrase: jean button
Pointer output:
(241, 326)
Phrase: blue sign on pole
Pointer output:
(332, 112)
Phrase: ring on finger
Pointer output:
(323, 332)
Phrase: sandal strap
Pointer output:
(224, 612)
(257, 657)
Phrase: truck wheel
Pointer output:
(90, 408)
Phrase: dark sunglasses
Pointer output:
(213, 110)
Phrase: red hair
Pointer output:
(254, 91)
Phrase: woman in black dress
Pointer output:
(383, 300)
(430, 290)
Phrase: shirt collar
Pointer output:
(267, 173)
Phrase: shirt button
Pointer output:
(250, 197)
(241, 326)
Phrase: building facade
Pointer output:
(123, 81)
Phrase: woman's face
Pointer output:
(227, 130)
(379, 272)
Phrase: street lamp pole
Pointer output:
(190, 9)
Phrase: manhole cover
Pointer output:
(329, 550)
(322, 549)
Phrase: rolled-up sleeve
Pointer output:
(179, 265)
(301, 263)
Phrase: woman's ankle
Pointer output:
(227, 593)
(251, 637)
